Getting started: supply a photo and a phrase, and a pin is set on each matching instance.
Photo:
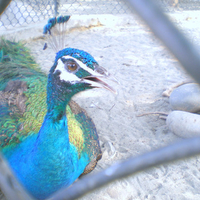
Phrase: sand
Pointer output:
(145, 69)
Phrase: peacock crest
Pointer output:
(55, 32)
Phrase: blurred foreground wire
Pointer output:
(9, 184)
(173, 39)
(3, 5)
(179, 150)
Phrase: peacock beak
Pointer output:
(96, 79)
(97, 82)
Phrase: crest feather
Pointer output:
(54, 31)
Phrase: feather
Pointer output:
(54, 31)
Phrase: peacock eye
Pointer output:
(71, 66)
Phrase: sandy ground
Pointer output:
(144, 69)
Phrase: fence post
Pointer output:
(56, 5)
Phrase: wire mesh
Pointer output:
(189, 4)
(93, 7)
(30, 11)
(20, 13)
(171, 5)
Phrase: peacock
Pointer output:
(48, 140)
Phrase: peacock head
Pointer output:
(75, 71)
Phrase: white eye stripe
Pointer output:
(65, 75)
(69, 76)
(83, 66)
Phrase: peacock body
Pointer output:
(48, 140)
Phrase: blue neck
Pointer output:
(56, 110)
(50, 160)
(54, 129)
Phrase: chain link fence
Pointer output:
(25, 12)
(189, 4)
(30, 11)
(171, 5)
(93, 7)
(19, 13)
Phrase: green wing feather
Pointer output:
(16, 62)
(23, 102)
(18, 73)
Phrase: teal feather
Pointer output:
(48, 140)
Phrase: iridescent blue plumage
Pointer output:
(53, 21)
(47, 162)
(66, 145)
(80, 55)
